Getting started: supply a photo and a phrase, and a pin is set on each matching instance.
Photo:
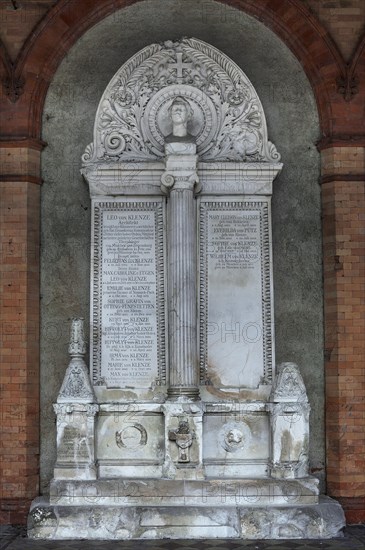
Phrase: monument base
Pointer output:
(185, 509)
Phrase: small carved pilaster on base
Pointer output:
(289, 420)
(76, 410)
(75, 441)
(183, 440)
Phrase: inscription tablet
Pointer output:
(235, 293)
(128, 335)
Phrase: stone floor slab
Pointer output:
(14, 538)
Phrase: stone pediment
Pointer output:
(132, 121)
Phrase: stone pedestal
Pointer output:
(76, 411)
(75, 441)
(289, 419)
(227, 518)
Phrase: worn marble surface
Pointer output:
(323, 520)
(287, 98)
(198, 493)
(151, 314)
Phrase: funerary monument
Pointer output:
(182, 426)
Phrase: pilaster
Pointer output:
(343, 203)
(19, 205)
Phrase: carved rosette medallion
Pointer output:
(228, 120)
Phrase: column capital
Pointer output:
(20, 161)
(181, 173)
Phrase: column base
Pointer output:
(188, 392)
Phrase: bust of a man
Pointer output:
(180, 141)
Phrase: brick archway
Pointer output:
(289, 19)
(340, 95)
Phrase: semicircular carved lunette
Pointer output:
(132, 119)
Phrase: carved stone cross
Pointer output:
(183, 437)
(179, 66)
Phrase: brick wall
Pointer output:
(344, 21)
(17, 19)
(19, 354)
(343, 200)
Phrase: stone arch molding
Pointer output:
(228, 120)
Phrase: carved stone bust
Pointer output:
(180, 141)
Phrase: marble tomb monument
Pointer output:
(182, 426)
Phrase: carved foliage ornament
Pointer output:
(76, 384)
(132, 121)
(289, 385)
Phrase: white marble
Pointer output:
(76, 385)
(236, 294)
(215, 178)
(184, 441)
(75, 441)
(227, 122)
(324, 520)
(167, 492)
(289, 412)
(180, 180)
(182, 428)
(127, 322)
(75, 411)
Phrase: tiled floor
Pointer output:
(13, 538)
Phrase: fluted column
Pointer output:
(180, 179)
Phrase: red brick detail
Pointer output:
(18, 20)
(19, 355)
(354, 509)
(346, 177)
(290, 19)
(14, 511)
(344, 21)
(344, 290)
(23, 177)
(341, 141)
(343, 161)
(22, 142)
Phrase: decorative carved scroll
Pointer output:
(228, 121)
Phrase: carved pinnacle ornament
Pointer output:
(77, 344)
(76, 386)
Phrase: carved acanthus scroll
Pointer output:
(228, 121)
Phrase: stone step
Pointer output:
(323, 520)
(169, 492)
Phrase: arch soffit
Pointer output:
(63, 25)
